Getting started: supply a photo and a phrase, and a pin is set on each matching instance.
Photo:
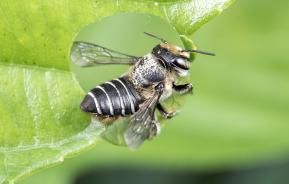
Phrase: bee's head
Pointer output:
(174, 57)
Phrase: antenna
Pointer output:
(154, 36)
(200, 52)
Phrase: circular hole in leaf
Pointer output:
(123, 33)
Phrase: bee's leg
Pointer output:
(183, 88)
(164, 113)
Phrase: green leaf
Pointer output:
(41, 123)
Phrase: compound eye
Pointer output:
(181, 63)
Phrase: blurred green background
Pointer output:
(234, 129)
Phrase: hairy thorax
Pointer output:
(147, 73)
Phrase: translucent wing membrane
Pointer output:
(142, 124)
(88, 54)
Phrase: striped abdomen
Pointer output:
(113, 98)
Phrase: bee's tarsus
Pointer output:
(165, 114)
(183, 88)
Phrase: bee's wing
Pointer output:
(89, 54)
(143, 125)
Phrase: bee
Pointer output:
(138, 93)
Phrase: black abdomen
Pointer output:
(113, 98)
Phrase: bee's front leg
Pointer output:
(164, 113)
(183, 88)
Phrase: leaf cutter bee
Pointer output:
(136, 94)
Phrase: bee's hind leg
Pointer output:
(164, 113)
(183, 88)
